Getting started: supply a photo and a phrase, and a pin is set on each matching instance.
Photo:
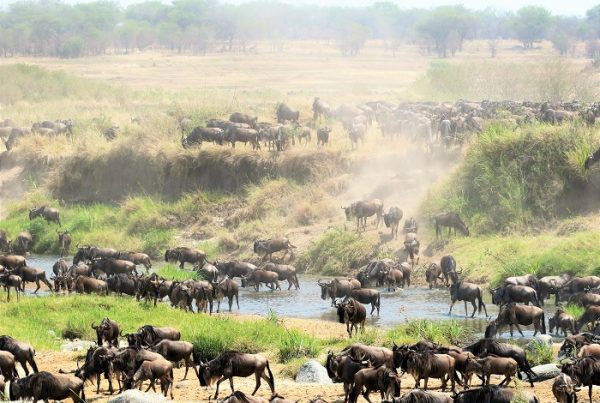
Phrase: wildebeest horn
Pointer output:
(94, 327)
(121, 333)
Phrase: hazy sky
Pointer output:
(564, 7)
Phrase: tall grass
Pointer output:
(442, 332)
(518, 179)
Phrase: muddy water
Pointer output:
(416, 302)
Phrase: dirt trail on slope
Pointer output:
(11, 183)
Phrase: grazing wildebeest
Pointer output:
(562, 321)
(362, 210)
(485, 347)
(488, 366)
(392, 219)
(176, 351)
(564, 389)
(285, 272)
(548, 285)
(285, 113)
(584, 372)
(46, 386)
(337, 288)
(48, 213)
(33, 275)
(234, 268)
(107, 331)
(269, 246)
(367, 296)
(514, 315)
(230, 364)
(136, 258)
(151, 335)
(8, 281)
(353, 314)
(226, 288)
(238, 117)
(259, 276)
(411, 245)
(64, 242)
(382, 379)
(575, 342)
(433, 273)
(24, 353)
(463, 291)
(448, 266)
(495, 394)
(184, 255)
(323, 136)
(199, 134)
(450, 220)
(591, 314)
(161, 370)
(514, 293)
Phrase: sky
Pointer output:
(562, 7)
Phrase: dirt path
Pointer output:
(11, 185)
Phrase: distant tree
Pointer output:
(530, 24)
(448, 27)
(593, 20)
(353, 40)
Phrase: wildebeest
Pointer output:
(450, 220)
(269, 246)
(231, 364)
(285, 113)
(393, 278)
(562, 321)
(353, 314)
(514, 315)
(575, 342)
(238, 117)
(88, 285)
(7, 366)
(337, 288)
(226, 288)
(514, 293)
(112, 266)
(493, 393)
(421, 396)
(363, 209)
(60, 267)
(208, 271)
(584, 372)
(375, 355)
(97, 363)
(259, 276)
(527, 279)
(234, 268)
(176, 351)
(8, 281)
(161, 370)
(427, 364)
(89, 253)
(320, 109)
(107, 331)
(136, 258)
(464, 291)
(185, 255)
(323, 135)
(491, 365)
(580, 284)
(486, 347)
(411, 245)
(551, 285)
(410, 225)
(12, 261)
(23, 243)
(392, 219)
(564, 389)
(46, 386)
(285, 272)
(199, 134)
(382, 379)
(591, 314)
(47, 213)
(367, 296)
(342, 368)
(433, 273)
(448, 266)
(4, 244)
(64, 242)
(24, 353)
(151, 335)
(33, 275)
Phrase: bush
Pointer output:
(294, 344)
(442, 332)
(540, 353)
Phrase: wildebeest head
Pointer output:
(491, 329)
(19, 388)
(325, 289)
(497, 294)
(349, 211)
(34, 212)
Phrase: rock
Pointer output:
(137, 396)
(543, 372)
(77, 345)
(312, 372)
(540, 339)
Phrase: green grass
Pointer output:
(540, 353)
(574, 310)
(173, 272)
(442, 332)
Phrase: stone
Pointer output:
(543, 372)
(540, 339)
(137, 396)
(77, 345)
(312, 372)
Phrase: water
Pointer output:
(416, 302)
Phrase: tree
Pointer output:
(448, 27)
(353, 39)
(531, 24)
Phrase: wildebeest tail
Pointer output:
(543, 323)
(195, 357)
(167, 255)
(271, 378)
(290, 245)
(296, 280)
(480, 301)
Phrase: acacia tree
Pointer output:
(447, 27)
(530, 24)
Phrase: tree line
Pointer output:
(56, 29)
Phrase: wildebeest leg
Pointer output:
(181, 263)
(257, 376)
(37, 282)
(223, 378)
(426, 380)
(466, 310)
(451, 305)
(97, 383)
(474, 308)
(289, 284)
(519, 329)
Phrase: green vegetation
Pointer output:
(517, 179)
(574, 310)
(540, 353)
(173, 272)
(335, 252)
(442, 332)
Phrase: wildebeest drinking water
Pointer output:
(514, 315)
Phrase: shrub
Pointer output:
(294, 344)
